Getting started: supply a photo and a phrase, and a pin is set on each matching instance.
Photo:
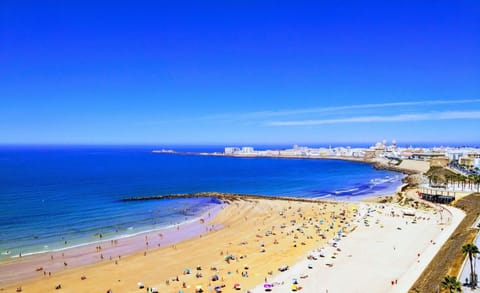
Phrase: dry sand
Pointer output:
(249, 228)
(263, 235)
(415, 165)
(386, 249)
(57, 261)
(412, 166)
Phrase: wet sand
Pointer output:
(260, 234)
(51, 263)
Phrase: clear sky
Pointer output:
(239, 72)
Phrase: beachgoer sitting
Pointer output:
(58, 287)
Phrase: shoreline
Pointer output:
(232, 235)
(341, 158)
(286, 232)
(406, 166)
(117, 237)
(28, 267)
(378, 163)
(21, 269)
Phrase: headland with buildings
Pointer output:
(465, 160)
(314, 242)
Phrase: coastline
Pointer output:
(28, 266)
(33, 267)
(406, 166)
(286, 232)
(232, 237)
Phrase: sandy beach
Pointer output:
(258, 235)
(46, 264)
(385, 253)
(247, 242)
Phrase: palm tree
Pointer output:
(458, 178)
(471, 181)
(450, 180)
(451, 283)
(461, 178)
(476, 179)
(471, 250)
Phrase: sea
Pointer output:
(57, 197)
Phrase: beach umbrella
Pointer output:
(267, 286)
(294, 288)
(237, 286)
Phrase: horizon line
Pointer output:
(226, 144)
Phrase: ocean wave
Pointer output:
(323, 196)
(140, 231)
(83, 203)
(344, 191)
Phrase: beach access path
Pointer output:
(379, 251)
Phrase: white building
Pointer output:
(247, 150)
(231, 150)
(476, 163)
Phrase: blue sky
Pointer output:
(239, 72)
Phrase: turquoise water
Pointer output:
(54, 198)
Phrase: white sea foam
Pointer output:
(339, 191)
(213, 210)
(323, 196)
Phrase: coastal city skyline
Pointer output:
(257, 73)
(239, 146)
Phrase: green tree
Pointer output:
(463, 180)
(471, 250)
(476, 180)
(451, 284)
